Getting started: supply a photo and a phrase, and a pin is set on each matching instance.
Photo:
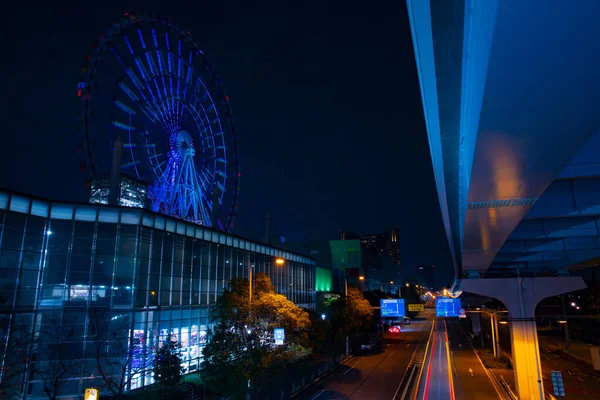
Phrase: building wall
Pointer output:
(150, 276)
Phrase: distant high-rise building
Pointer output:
(387, 243)
(348, 235)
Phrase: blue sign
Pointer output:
(279, 334)
(447, 307)
(392, 307)
(557, 383)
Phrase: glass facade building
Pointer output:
(148, 276)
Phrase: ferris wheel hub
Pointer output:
(182, 145)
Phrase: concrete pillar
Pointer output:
(521, 296)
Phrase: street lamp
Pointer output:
(503, 322)
(279, 261)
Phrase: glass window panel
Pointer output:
(167, 254)
(10, 259)
(39, 208)
(55, 269)
(8, 279)
(148, 220)
(108, 215)
(175, 298)
(80, 262)
(170, 225)
(29, 278)
(187, 250)
(122, 295)
(178, 249)
(124, 271)
(177, 283)
(165, 298)
(181, 227)
(186, 284)
(12, 237)
(78, 278)
(84, 213)
(154, 282)
(26, 296)
(19, 204)
(130, 217)
(165, 283)
(3, 200)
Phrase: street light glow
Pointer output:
(503, 322)
(279, 261)
(408, 284)
(362, 278)
(391, 282)
(562, 321)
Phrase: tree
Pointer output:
(167, 365)
(358, 313)
(54, 366)
(348, 315)
(119, 355)
(241, 345)
(17, 346)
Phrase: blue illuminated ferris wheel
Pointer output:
(149, 85)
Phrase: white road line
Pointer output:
(391, 353)
(352, 367)
(318, 394)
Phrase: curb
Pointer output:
(318, 379)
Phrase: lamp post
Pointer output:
(279, 262)
(494, 326)
(565, 324)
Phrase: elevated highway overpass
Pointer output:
(510, 93)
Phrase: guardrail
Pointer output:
(508, 391)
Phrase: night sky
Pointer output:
(325, 99)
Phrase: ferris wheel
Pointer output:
(150, 87)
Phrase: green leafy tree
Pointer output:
(349, 315)
(240, 346)
(167, 365)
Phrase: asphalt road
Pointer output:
(376, 375)
(579, 383)
(470, 378)
(436, 381)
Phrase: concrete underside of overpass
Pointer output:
(510, 92)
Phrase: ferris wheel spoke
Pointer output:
(131, 164)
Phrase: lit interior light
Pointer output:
(279, 261)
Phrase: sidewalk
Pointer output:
(579, 349)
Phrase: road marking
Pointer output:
(351, 368)
(318, 394)
(391, 353)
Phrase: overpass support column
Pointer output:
(521, 296)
